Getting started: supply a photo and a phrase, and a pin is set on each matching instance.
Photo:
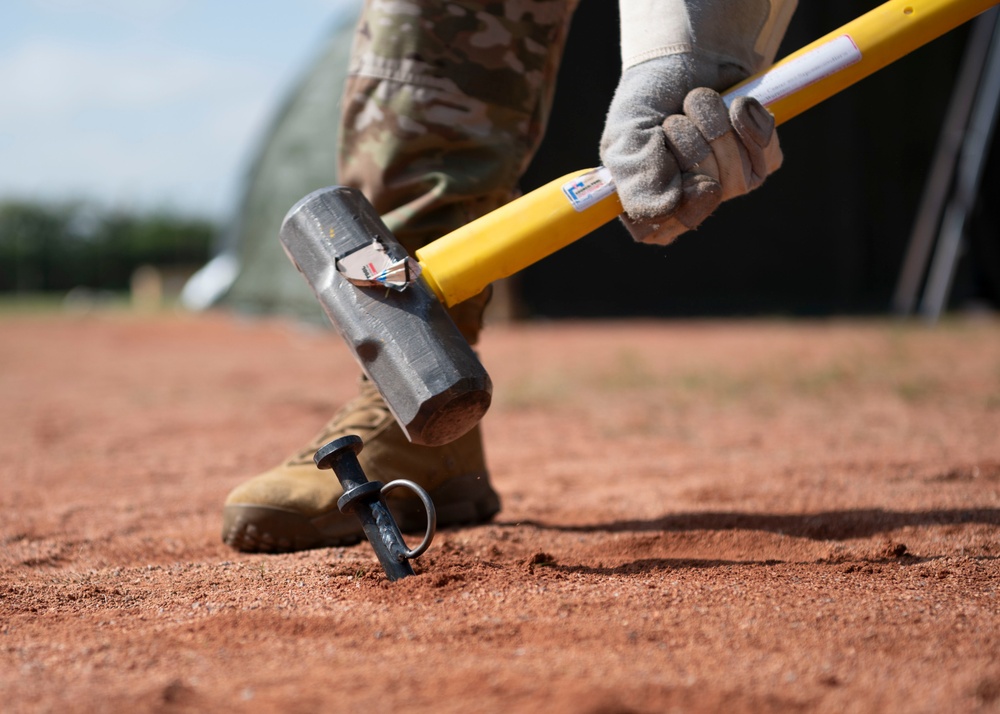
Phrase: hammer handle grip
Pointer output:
(509, 239)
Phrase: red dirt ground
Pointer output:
(698, 516)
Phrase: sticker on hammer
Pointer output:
(371, 266)
(589, 188)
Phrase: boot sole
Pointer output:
(253, 528)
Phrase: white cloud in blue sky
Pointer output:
(146, 103)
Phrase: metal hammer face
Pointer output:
(404, 340)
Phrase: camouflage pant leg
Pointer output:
(445, 105)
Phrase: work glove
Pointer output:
(673, 149)
(676, 152)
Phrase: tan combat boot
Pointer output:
(294, 505)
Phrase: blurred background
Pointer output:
(150, 150)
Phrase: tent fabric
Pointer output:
(297, 155)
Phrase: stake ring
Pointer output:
(428, 506)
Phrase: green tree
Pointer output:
(49, 248)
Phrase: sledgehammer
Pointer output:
(390, 308)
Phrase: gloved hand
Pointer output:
(674, 150)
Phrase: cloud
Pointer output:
(145, 102)
(132, 11)
(88, 119)
(43, 77)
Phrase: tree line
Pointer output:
(47, 247)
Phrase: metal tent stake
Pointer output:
(366, 500)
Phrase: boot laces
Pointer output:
(360, 416)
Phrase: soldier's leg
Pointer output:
(444, 108)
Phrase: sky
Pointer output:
(147, 104)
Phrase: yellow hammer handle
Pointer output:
(509, 239)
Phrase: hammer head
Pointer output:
(404, 340)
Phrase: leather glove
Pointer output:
(676, 152)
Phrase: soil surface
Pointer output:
(741, 516)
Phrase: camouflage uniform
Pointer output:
(445, 105)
